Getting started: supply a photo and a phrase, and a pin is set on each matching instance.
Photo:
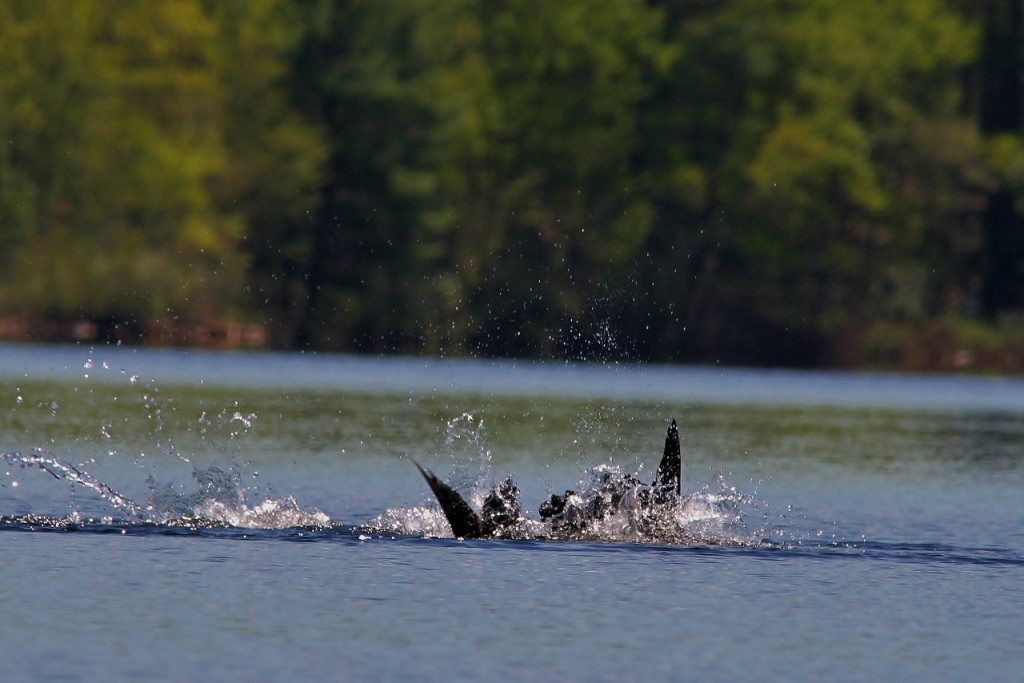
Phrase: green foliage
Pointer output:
(817, 128)
(726, 180)
(111, 127)
(142, 139)
(536, 108)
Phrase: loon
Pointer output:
(571, 513)
(500, 510)
(568, 513)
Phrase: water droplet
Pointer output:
(133, 379)
(247, 421)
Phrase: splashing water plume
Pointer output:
(64, 471)
(221, 500)
(466, 445)
(607, 505)
(215, 495)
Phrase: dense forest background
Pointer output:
(780, 182)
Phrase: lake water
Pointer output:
(855, 527)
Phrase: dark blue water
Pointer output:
(149, 503)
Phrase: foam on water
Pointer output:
(220, 500)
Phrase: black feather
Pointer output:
(465, 523)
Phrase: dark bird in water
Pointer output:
(569, 513)
(669, 478)
(499, 512)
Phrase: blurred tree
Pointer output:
(347, 270)
(478, 184)
(808, 169)
(111, 126)
(276, 158)
(538, 209)
(1001, 114)
(710, 180)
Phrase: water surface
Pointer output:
(876, 520)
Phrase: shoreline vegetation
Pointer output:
(809, 183)
(211, 334)
(948, 346)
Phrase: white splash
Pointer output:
(220, 500)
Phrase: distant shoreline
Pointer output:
(946, 346)
(204, 334)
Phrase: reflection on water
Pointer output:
(877, 520)
(884, 440)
